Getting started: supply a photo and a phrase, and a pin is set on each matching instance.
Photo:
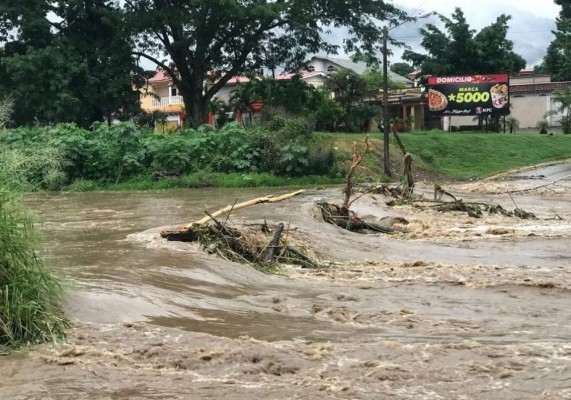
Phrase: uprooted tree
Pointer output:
(208, 42)
(258, 243)
(341, 215)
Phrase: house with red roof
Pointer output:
(160, 94)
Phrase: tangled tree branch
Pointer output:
(356, 159)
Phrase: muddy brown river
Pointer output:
(457, 308)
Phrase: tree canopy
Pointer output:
(402, 68)
(557, 61)
(66, 61)
(461, 50)
(208, 42)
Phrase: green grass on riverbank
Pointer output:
(469, 155)
(478, 155)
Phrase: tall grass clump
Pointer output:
(30, 296)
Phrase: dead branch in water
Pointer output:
(473, 209)
(341, 215)
(239, 206)
(274, 243)
(184, 233)
(404, 191)
(346, 219)
(251, 243)
(540, 186)
(407, 180)
(356, 160)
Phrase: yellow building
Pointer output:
(160, 94)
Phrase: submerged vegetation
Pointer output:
(30, 296)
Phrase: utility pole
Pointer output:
(386, 124)
(387, 168)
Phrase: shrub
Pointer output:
(360, 117)
(112, 154)
(168, 154)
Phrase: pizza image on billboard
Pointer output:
(436, 100)
(468, 95)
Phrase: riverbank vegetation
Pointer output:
(281, 152)
(30, 296)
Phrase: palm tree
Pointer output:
(563, 97)
(242, 98)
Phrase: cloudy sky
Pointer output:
(530, 27)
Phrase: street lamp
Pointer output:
(386, 124)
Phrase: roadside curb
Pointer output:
(524, 169)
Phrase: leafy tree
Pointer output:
(511, 123)
(293, 95)
(347, 87)
(373, 81)
(74, 66)
(402, 68)
(557, 60)
(327, 113)
(227, 37)
(351, 91)
(97, 35)
(460, 50)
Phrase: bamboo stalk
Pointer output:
(239, 206)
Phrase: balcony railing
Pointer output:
(168, 101)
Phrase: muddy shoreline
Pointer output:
(459, 308)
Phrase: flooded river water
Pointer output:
(458, 308)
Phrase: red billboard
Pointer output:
(468, 95)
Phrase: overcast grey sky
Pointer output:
(530, 27)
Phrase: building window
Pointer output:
(331, 68)
(311, 68)
(173, 91)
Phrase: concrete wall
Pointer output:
(316, 81)
(530, 79)
(529, 109)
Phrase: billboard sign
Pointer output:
(469, 95)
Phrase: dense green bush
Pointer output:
(110, 154)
